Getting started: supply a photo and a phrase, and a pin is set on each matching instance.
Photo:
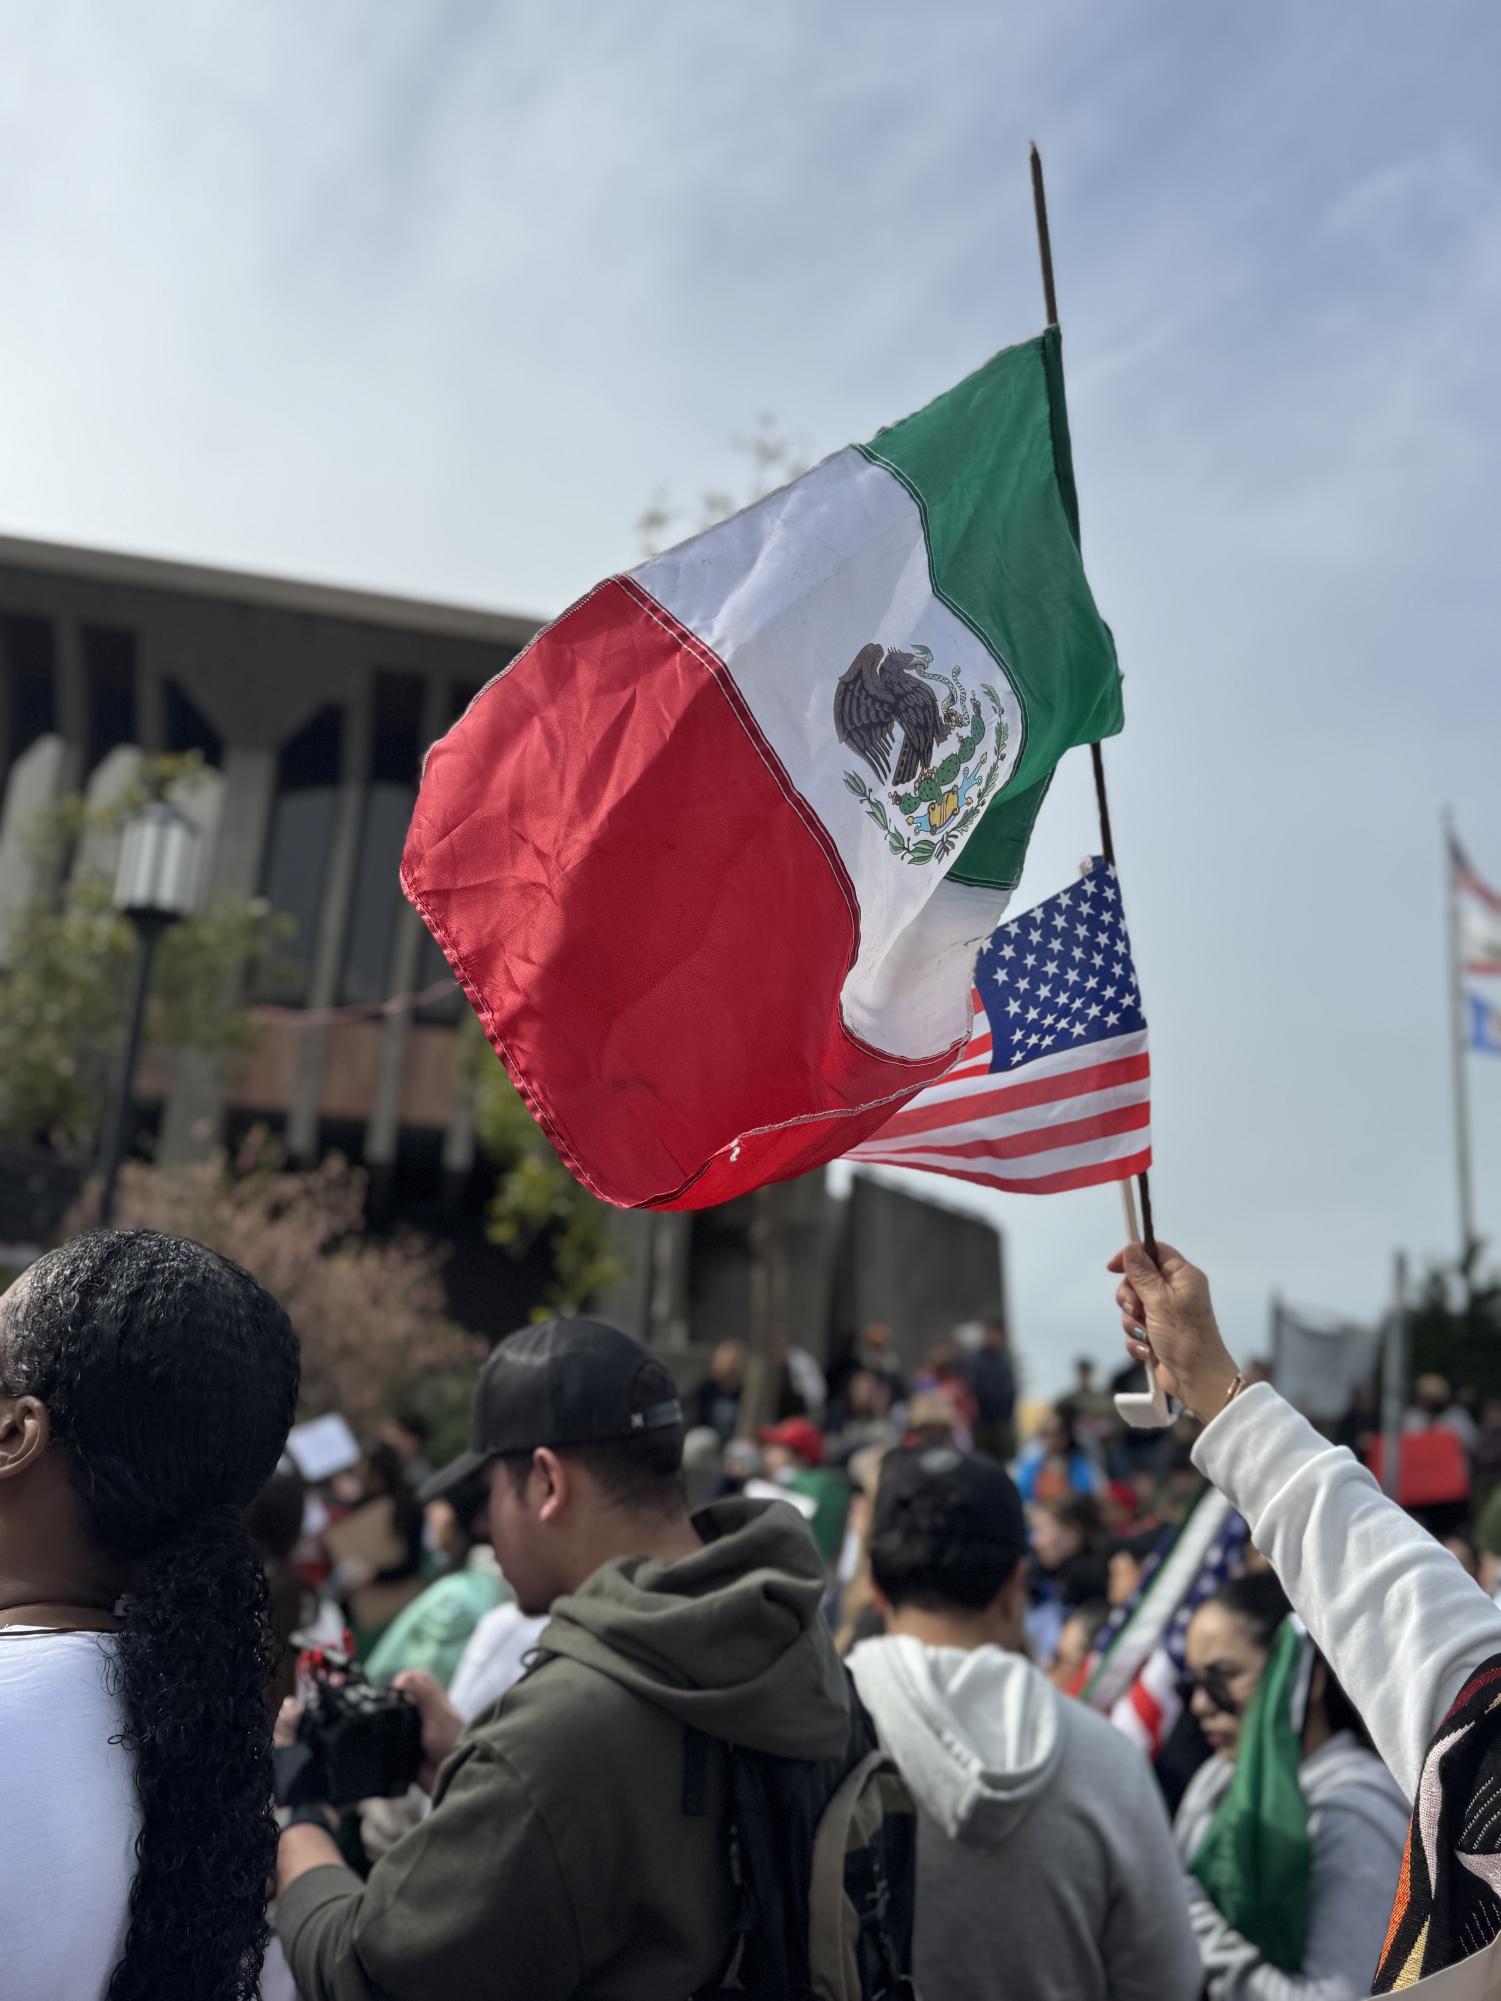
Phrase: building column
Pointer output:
(72, 699)
(193, 1119)
(333, 929)
(151, 698)
(32, 785)
(64, 772)
(383, 1129)
(458, 1139)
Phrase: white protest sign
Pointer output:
(322, 1447)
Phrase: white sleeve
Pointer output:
(1392, 1612)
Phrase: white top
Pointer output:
(494, 1660)
(68, 1830)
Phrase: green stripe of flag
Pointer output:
(990, 468)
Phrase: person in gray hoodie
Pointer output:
(575, 1851)
(1045, 1865)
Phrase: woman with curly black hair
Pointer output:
(146, 1389)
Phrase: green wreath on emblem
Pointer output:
(922, 849)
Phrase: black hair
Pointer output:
(924, 1559)
(1065, 1412)
(1076, 1511)
(274, 1517)
(1138, 1546)
(387, 1464)
(412, 1422)
(642, 1473)
(170, 1382)
(1258, 1599)
(469, 1501)
(1093, 1616)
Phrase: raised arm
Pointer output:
(1398, 1620)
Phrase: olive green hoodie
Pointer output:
(559, 1860)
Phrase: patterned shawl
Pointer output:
(1448, 1903)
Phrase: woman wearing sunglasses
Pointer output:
(1292, 1830)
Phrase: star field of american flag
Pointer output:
(1061, 976)
(1052, 1091)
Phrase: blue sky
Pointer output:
(434, 298)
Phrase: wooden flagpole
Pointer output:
(1096, 755)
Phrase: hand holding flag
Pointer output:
(1167, 1301)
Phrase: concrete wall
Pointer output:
(919, 1267)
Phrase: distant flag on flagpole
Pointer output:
(1466, 878)
(1053, 1089)
(1485, 1025)
(1479, 916)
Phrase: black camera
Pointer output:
(355, 1741)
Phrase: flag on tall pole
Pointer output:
(712, 858)
(1474, 951)
(1485, 1026)
(1053, 1089)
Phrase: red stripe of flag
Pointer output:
(1121, 1169)
(976, 1060)
(1044, 1139)
(1017, 1097)
(1147, 1707)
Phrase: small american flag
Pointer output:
(1153, 1703)
(1053, 1088)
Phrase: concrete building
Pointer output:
(311, 707)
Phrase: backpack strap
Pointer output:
(865, 1809)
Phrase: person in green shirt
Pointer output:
(792, 1455)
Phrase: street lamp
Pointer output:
(156, 885)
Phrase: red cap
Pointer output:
(800, 1435)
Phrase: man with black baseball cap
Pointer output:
(1045, 1865)
(574, 1848)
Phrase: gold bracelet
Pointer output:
(1236, 1386)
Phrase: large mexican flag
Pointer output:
(713, 856)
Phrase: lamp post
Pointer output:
(156, 885)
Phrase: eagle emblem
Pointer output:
(887, 688)
(876, 692)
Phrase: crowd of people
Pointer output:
(807, 1706)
